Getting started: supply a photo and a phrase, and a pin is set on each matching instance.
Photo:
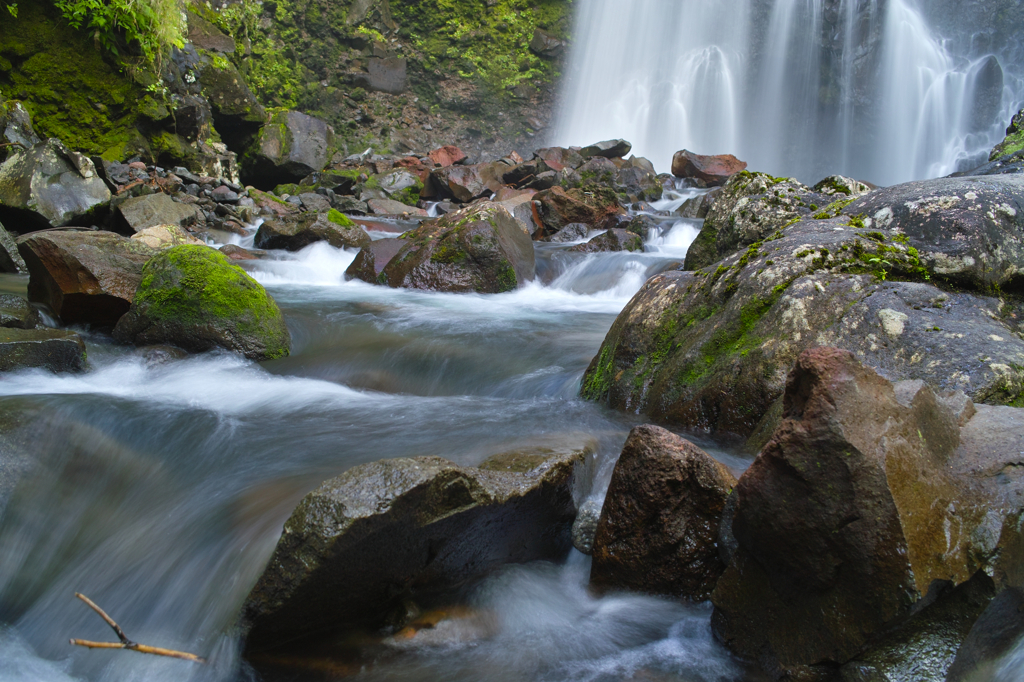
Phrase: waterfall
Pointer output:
(881, 90)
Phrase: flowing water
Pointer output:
(882, 90)
(158, 486)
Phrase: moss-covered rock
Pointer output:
(288, 148)
(1014, 140)
(194, 298)
(479, 249)
(332, 227)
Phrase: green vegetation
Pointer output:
(147, 27)
(339, 218)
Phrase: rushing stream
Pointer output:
(158, 486)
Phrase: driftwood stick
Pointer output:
(126, 643)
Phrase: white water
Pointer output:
(867, 88)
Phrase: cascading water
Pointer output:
(877, 89)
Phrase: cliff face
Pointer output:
(394, 75)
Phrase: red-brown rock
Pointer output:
(659, 525)
(467, 183)
(447, 155)
(714, 170)
(559, 208)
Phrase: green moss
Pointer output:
(507, 280)
(339, 218)
(1013, 143)
(833, 209)
(191, 284)
(597, 381)
(449, 253)
(289, 188)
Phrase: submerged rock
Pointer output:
(53, 349)
(479, 249)
(659, 526)
(713, 170)
(84, 277)
(49, 185)
(194, 298)
(858, 507)
(332, 227)
(396, 530)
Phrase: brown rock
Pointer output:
(235, 252)
(313, 227)
(659, 525)
(447, 155)
(714, 170)
(559, 208)
(614, 239)
(852, 511)
(392, 207)
(84, 277)
(467, 183)
(372, 259)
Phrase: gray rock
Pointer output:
(16, 312)
(53, 349)
(51, 186)
(289, 147)
(545, 44)
(615, 239)
(139, 213)
(385, 74)
(10, 259)
(314, 202)
(573, 232)
(584, 528)
(609, 149)
(968, 230)
(206, 36)
(992, 636)
(404, 529)
(372, 259)
(16, 125)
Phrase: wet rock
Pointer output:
(711, 349)
(372, 259)
(838, 186)
(333, 227)
(615, 239)
(48, 185)
(237, 112)
(998, 629)
(1014, 140)
(289, 147)
(526, 173)
(478, 249)
(84, 277)
(639, 184)
(659, 526)
(315, 202)
(750, 208)
(17, 313)
(139, 213)
(584, 528)
(842, 520)
(392, 207)
(558, 207)
(10, 259)
(235, 252)
(967, 230)
(546, 45)
(573, 232)
(713, 170)
(609, 149)
(16, 125)
(467, 183)
(164, 237)
(447, 156)
(194, 298)
(403, 529)
(53, 349)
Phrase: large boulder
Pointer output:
(405, 529)
(609, 149)
(84, 277)
(206, 36)
(194, 298)
(160, 237)
(237, 112)
(750, 208)
(858, 506)
(289, 147)
(48, 185)
(467, 183)
(139, 213)
(968, 231)
(479, 249)
(713, 170)
(590, 205)
(332, 227)
(371, 260)
(447, 155)
(711, 348)
(54, 349)
(658, 530)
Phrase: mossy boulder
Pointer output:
(194, 298)
(1014, 140)
(332, 227)
(479, 249)
(711, 348)
(288, 148)
(749, 208)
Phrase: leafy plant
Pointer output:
(12, 8)
(146, 26)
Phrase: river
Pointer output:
(158, 486)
